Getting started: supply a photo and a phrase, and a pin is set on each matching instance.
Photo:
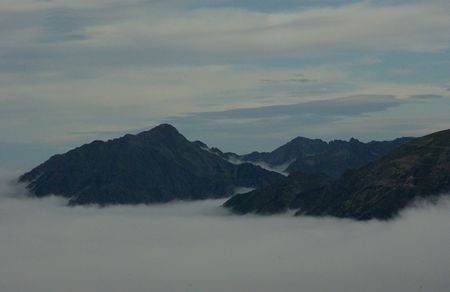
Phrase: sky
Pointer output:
(47, 247)
(239, 75)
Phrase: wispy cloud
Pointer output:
(264, 128)
(297, 78)
(67, 66)
(160, 34)
(427, 96)
(344, 106)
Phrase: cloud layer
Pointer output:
(46, 246)
(91, 66)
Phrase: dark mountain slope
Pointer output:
(278, 197)
(417, 169)
(290, 151)
(158, 165)
(332, 158)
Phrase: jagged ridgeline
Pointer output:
(154, 166)
(418, 169)
(317, 156)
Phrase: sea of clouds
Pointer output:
(46, 246)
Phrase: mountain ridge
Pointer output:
(157, 165)
(317, 156)
(418, 169)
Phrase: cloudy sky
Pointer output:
(240, 75)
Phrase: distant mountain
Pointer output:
(317, 156)
(418, 169)
(155, 166)
(279, 197)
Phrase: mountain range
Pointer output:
(418, 169)
(316, 156)
(349, 179)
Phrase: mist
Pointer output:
(46, 246)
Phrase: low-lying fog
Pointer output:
(46, 246)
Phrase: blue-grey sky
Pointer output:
(240, 75)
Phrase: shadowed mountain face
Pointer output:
(155, 166)
(417, 169)
(317, 156)
(278, 197)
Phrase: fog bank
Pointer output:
(198, 246)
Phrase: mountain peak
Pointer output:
(165, 131)
(165, 128)
(155, 166)
(300, 139)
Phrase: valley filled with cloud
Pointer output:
(46, 246)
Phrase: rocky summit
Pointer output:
(419, 169)
(317, 156)
(154, 166)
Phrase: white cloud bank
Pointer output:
(46, 246)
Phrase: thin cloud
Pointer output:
(63, 24)
(69, 66)
(427, 96)
(290, 80)
(150, 33)
(297, 78)
(338, 107)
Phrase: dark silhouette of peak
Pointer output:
(165, 129)
(300, 139)
(162, 131)
(158, 165)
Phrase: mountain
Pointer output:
(418, 169)
(229, 156)
(155, 166)
(317, 156)
(279, 197)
